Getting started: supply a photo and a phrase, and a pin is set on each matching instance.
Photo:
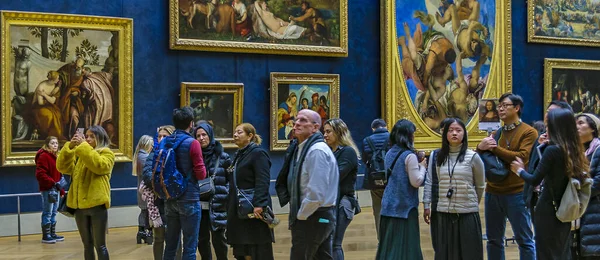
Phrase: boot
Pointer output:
(46, 238)
(149, 239)
(54, 235)
(141, 235)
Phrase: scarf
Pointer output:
(595, 143)
(153, 213)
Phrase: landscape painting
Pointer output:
(311, 27)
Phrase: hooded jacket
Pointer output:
(45, 170)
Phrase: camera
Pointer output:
(449, 193)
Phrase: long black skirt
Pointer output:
(456, 236)
(399, 238)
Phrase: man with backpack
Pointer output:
(178, 166)
(375, 147)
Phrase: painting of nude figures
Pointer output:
(292, 27)
(291, 93)
(441, 58)
(219, 104)
(571, 22)
(61, 78)
(573, 81)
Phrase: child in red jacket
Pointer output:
(48, 178)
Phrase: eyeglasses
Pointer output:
(504, 105)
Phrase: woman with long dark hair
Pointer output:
(452, 195)
(338, 138)
(48, 178)
(399, 225)
(564, 158)
(89, 160)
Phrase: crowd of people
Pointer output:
(318, 180)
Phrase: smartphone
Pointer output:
(80, 131)
(420, 156)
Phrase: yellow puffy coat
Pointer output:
(90, 175)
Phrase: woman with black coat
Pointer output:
(214, 210)
(250, 238)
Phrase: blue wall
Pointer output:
(158, 71)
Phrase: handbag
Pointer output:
(245, 208)
(207, 186)
(574, 201)
(63, 208)
(495, 169)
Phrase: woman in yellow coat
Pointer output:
(89, 161)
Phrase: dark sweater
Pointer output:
(348, 165)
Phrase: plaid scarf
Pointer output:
(153, 212)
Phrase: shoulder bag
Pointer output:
(495, 169)
(62, 205)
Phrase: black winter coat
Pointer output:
(216, 167)
(590, 221)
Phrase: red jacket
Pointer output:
(45, 170)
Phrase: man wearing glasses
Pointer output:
(504, 199)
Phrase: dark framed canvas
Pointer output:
(573, 81)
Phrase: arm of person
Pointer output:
(525, 144)
(546, 165)
(366, 152)
(49, 98)
(416, 172)
(99, 162)
(318, 165)
(427, 190)
(306, 15)
(147, 171)
(197, 160)
(478, 170)
(65, 162)
(42, 169)
(347, 162)
(262, 178)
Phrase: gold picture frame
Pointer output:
(396, 100)
(303, 87)
(538, 31)
(25, 123)
(562, 75)
(335, 45)
(222, 104)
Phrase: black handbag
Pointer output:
(207, 188)
(495, 169)
(64, 209)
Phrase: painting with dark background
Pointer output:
(158, 72)
(217, 109)
(578, 87)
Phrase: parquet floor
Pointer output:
(360, 243)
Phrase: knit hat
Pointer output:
(594, 118)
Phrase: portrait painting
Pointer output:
(291, 93)
(62, 73)
(489, 119)
(573, 81)
(219, 104)
(297, 27)
(570, 22)
(441, 56)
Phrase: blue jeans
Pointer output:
(48, 209)
(345, 214)
(182, 216)
(497, 209)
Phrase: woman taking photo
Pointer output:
(399, 225)
(214, 210)
(48, 177)
(89, 161)
(452, 195)
(338, 138)
(251, 239)
(562, 159)
(140, 155)
(588, 246)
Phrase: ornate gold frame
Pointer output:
(550, 64)
(178, 43)
(531, 37)
(237, 89)
(396, 103)
(333, 80)
(125, 28)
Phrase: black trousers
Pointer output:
(204, 238)
(91, 224)
(312, 239)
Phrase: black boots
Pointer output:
(46, 237)
(145, 235)
(54, 235)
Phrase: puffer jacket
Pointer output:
(590, 221)
(218, 202)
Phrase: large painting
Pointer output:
(220, 104)
(573, 81)
(292, 92)
(64, 72)
(570, 22)
(440, 58)
(291, 27)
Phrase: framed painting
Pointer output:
(573, 81)
(292, 92)
(221, 104)
(290, 27)
(563, 22)
(63, 72)
(439, 58)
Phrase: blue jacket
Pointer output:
(184, 163)
(380, 138)
(590, 221)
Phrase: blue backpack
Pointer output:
(167, 181)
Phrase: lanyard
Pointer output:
(451, 173)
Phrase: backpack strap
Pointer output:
(498, 134)
(396, 159)
(370, 143)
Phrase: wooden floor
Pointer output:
(360, 243)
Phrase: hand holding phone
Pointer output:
(80, 132)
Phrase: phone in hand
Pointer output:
(420, 156)
(80, 131)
